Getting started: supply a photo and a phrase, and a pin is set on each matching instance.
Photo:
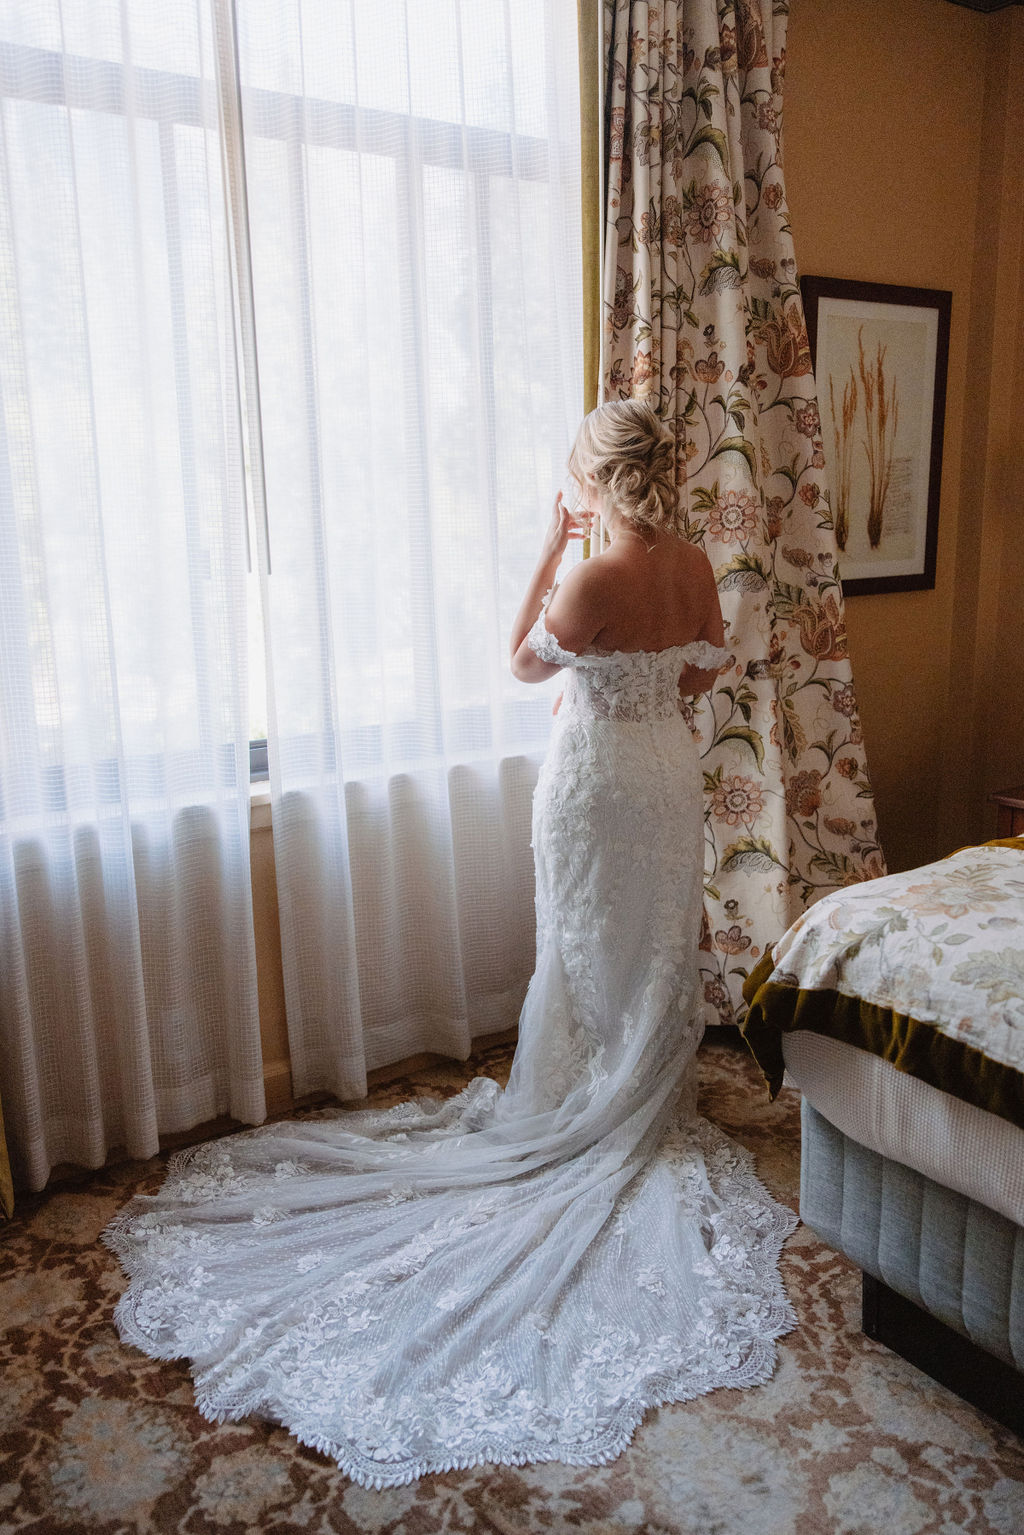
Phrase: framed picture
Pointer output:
(880, 355)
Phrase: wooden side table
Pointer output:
(1010, 812)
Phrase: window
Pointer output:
(408, 352)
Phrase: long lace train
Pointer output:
(505, 1276)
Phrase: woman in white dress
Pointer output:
(514, 1276)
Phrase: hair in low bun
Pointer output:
(630, 454)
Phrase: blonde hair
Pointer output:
(630, 454)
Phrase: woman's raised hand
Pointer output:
(563, 526)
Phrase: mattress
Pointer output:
(950, 1142)
(924, 970)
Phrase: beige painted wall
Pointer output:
(887, 111)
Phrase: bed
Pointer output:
(897, 1008)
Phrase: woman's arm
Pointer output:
(696, 679)
(527, 666)
(700, 679)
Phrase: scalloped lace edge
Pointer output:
(698, 652)
(684, 1386)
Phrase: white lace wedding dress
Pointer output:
(505, 1276)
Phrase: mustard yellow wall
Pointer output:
(273, 1026)
(901, 167)
(990, 545)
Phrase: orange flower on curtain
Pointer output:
(703, 318)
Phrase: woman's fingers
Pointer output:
(565, 525)
(575, 519)
(579, 527)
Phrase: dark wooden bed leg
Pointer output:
(947, 1356)
(869, 1306)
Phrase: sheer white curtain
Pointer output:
(128, 994)
(413, 200)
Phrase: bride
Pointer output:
(514, 1276)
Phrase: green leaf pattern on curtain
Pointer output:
(703, 318)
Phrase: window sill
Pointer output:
(259, 807)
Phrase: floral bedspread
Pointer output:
(925, 968)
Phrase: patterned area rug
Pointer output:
(846, 1438)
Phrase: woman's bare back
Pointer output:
(658, 597)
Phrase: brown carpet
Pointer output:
(845, 1438)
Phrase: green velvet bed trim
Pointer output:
(920, 1049)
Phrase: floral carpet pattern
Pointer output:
(846, 1438)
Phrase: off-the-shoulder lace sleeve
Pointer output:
(543, 643)
(705, 655)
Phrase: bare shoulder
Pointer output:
(587, 581)
(699, 578)
(703, 578)
(695, 565)
(579, 607)
(694, 557)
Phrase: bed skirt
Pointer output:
(952, 1257)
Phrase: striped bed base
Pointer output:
(943, 1274)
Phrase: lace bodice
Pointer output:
(621, 684)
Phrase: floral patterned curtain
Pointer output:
(703, 318)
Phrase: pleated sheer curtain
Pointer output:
(317, 263)
(413, 198)
(128, 991)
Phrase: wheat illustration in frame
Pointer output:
(880, 354)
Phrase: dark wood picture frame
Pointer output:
(921, 463)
